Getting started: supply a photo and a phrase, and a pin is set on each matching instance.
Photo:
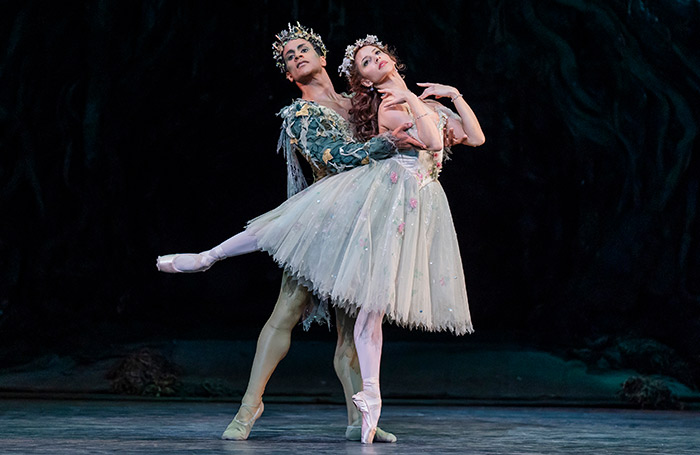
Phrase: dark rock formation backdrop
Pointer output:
(130, 129)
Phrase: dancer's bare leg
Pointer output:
(347, 367)
(273, 345)
(368, 342)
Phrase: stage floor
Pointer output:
(173, 428)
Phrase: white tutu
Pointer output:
(378, 237)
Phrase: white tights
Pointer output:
(368, 342)
(241, 243)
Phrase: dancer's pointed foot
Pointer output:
(240, 426)
(189, 263)
(371, 408)
(354, 433)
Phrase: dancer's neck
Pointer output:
(319, 89)
(393, 80)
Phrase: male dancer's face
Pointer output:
(302, 61)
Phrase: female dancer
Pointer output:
(373, 70)
(377, 240)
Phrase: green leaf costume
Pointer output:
(325, 139)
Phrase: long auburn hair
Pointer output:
(365, 101)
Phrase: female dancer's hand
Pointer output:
(466, 128)
(395, 96)
(437, 90)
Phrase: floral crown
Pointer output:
(295, 32)
(351, 50)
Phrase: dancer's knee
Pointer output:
(368, 326)
(290, 305)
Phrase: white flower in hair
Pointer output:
(351, 50)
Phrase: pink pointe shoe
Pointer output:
(370, 407)
(189, 263)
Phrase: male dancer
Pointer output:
(312, 130)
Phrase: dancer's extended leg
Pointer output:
(241, 243)
(273, 345)
(347, 367)
(368, 342)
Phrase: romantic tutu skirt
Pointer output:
(377, 237)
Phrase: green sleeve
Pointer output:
(325, 140)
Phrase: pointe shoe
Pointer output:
(370, 408)
(189, 263)
(354, 433)
(238, 430)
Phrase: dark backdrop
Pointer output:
(131, 129)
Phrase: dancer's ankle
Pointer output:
(251, 401)
(247, 411)
(370, 386)
(217, 253)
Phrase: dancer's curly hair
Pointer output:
(366, 100)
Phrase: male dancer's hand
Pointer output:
(403, 141)
(449, 139)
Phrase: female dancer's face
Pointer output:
(373, 64)
(301, 60)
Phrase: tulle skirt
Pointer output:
(376, 238)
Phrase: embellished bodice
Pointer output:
(425, 165)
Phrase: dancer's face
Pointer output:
(373, 64)
(301, 60)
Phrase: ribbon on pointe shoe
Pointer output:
(189, 263)
(371, 408)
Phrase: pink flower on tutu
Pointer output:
(438, 165)
(394, 177)
(401, 227)
(413, 203)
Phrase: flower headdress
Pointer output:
(351, 50)
(295, 32)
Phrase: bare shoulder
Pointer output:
(433, 103)
(390, 118)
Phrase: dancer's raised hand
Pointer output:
(437, 90)
(395, 96)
